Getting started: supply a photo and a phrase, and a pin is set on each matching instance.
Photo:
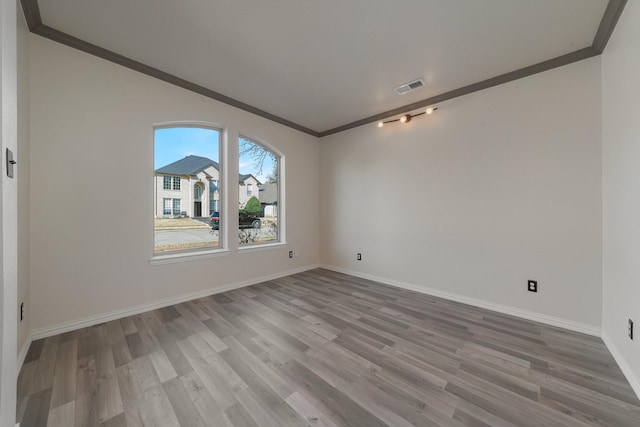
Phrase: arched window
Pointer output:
(185, 157)
(258, 192)
(197, 192)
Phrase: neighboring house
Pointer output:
(249, 187)
(189, 187)
(269, 199)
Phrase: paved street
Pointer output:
(186, 236)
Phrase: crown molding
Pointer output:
(605, 29)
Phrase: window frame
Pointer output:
(197, 191)
(159, 258)
(176, 206)
(228, 191)
(280, 159)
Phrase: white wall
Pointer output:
(23, 181)
(621, 192)
(495, 188)
(8, 214)
(92, 237)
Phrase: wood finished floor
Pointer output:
(323, 349)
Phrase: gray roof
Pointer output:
(190, 165)
(246, 176)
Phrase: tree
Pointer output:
(272, 178)
(253, 206)
(257, 153)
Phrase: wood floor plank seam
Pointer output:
(321, 348)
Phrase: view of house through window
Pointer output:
(186, 188)
(258, 193)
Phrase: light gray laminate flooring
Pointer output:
(323, 349)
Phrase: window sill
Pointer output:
(260, 247)
(187, 256)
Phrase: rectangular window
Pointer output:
(192, 152)
(176, 207)
(249, 189)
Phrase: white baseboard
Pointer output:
(505, 309)
(632, 377)
(61, 328)
(22, 354)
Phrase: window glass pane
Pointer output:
(258, 193)
(176, 207)
(186, 163)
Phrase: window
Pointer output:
(171, 207)
(258, 193)
(176, 207)
(167, 182)
(186, 161)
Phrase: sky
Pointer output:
(173, 144)
(177, 143)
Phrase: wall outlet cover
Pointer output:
(532, 286)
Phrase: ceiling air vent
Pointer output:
(407, 87)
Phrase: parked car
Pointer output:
(245, 220)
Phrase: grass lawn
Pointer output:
(177, 224)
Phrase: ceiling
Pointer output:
(325, 66)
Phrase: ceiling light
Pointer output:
(406, 118)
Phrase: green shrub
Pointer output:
(253, 206)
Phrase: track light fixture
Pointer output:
(406, 118)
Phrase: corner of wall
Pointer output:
(23, 182)
(623, 364)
